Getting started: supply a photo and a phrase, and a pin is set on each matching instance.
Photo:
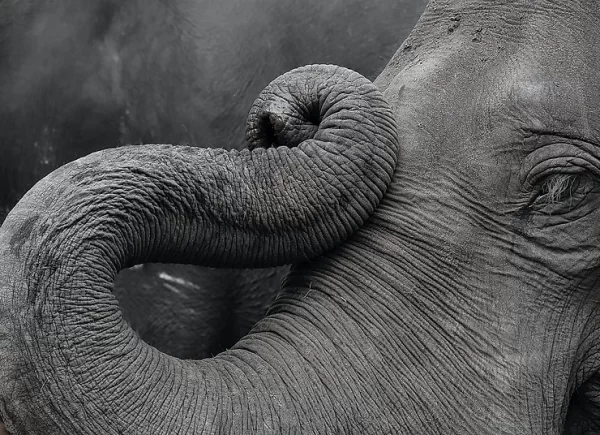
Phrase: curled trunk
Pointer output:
(323, 149)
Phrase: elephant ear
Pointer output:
(324, 149)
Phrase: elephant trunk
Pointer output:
(323, 149)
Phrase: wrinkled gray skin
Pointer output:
(467, 303)
(77, 77)
(274, 204)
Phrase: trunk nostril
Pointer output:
(290, 110)
(274, 129)
(312, 115)
(266, 132)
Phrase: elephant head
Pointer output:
(466, 303)
(495, 254)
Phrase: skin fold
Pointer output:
(467, 303)
(79, 77)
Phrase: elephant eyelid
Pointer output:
(560, 155)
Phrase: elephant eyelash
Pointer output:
(560, 193)
(557, 188)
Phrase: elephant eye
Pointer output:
(560, 193)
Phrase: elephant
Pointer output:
(77, 77)
(462, 299)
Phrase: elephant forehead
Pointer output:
(464, 89)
